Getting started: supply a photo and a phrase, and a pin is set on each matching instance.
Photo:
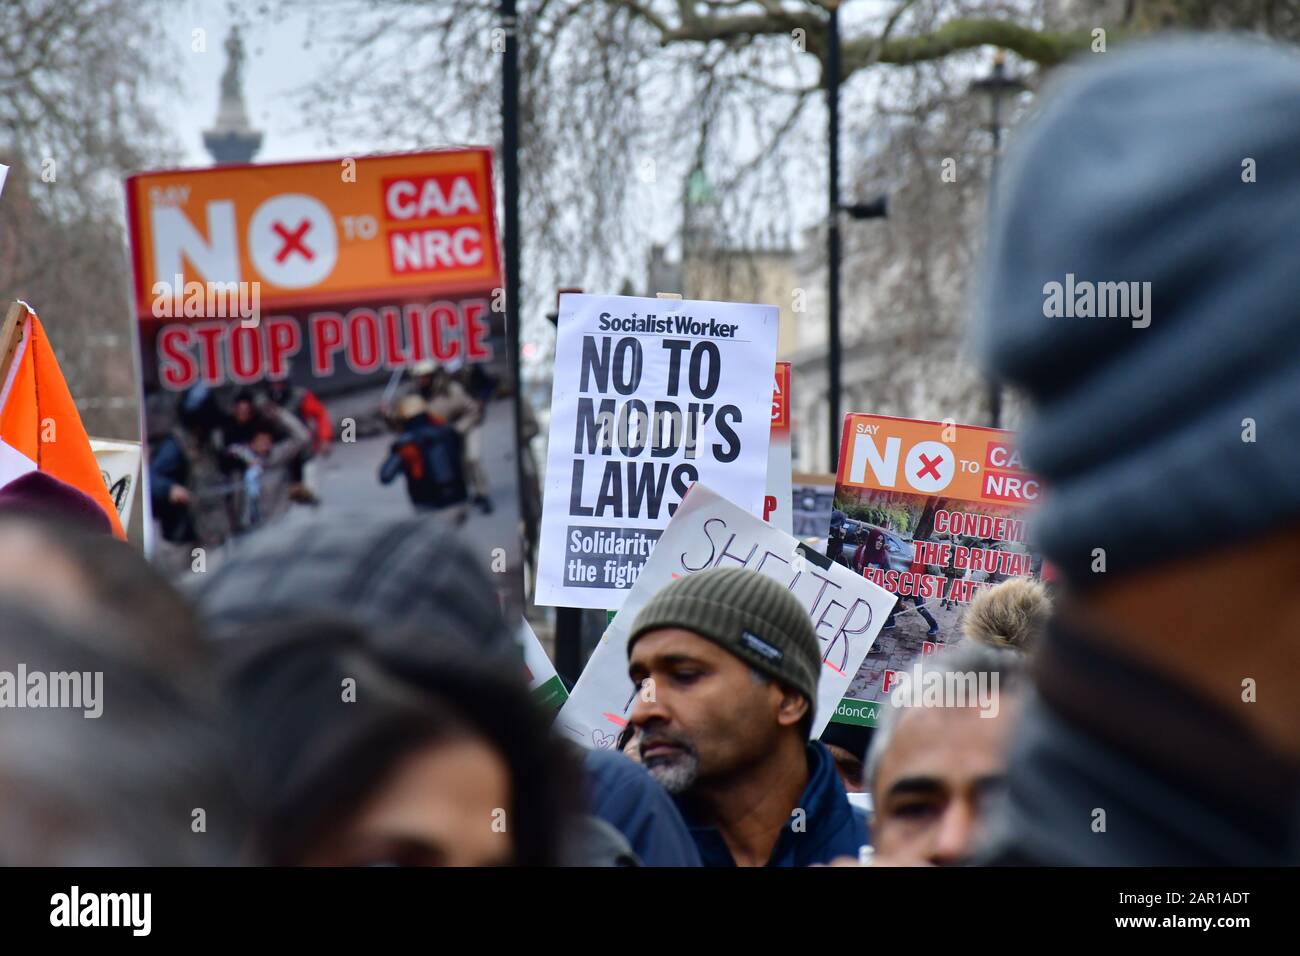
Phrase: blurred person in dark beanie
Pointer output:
(421, 596)
(76, 573)
(1161, 182)
(352, 759)
(936, 766)
(37, 494)
(727, 664)
(110, 760)
(393, 577)
(1011, 614)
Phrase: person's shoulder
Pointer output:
(619, 785)
(613, 768)
(627, 796)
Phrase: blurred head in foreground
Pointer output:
(938, 760)
(106, 757)
(440, 757)
(1140, 289)
(41, 495)
(402, 580)
(355, 759)
(98, 585)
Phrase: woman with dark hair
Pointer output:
(353, 757)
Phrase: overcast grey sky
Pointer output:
(282, 56)
(277, 61)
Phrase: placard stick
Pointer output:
(568, 620)
(11, 336)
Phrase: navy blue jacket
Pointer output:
(625, 796)
(830, 827)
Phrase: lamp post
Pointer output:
(832, 70)
(875, 209)
(510, 208)
(997, 84)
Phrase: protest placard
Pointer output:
(933, 512)
(119, 463)
(708, 531)
(543, 681)
(324, 339)
(777, 505)
(649, 396)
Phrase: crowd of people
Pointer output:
(352, 696)
(225, 469)
(236, 462)
(349, 694)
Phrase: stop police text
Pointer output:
(365, 339)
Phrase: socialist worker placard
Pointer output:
(650, 396)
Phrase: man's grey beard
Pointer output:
(676, 775)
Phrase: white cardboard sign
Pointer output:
(846, 611)
(650, 396)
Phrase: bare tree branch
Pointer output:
(1045, 48)
(73, 121)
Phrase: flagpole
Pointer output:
(11, 336)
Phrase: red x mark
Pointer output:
(293, 241)
(931, 466)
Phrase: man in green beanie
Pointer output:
(727, 665)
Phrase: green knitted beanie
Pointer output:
(746, 613)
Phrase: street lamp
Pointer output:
(877, 208)
(997, 84)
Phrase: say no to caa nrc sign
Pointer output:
(650, 396)
(934, 514)
(397, 253)
(934, 458)
(334, 230)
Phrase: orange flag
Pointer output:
(40, 427)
